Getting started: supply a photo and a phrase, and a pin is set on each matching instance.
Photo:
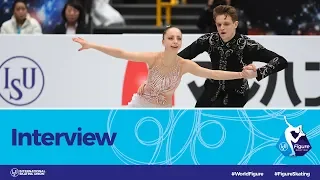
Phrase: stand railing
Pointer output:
(168, 7)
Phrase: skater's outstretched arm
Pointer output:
(147, 57)
(248, 72)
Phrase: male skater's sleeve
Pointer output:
(197, 47)
(275, 62)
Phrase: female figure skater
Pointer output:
(165, 69)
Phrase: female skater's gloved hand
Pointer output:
(249, 71)
(82, 42)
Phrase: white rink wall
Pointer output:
(66, 78)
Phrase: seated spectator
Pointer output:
(73, 16)
(87, 7)
(21, 22)
(206, 22)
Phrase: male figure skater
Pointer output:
(231, 51)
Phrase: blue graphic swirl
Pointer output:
(206, 137)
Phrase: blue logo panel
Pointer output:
(293, 142)
(159, 137)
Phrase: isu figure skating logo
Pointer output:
(21, 80)
(293, 142)
(14, 172)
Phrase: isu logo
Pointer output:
(136, 73)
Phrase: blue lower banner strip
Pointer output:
(159, 144)
(159, 172)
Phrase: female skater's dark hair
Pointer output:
(166, 29)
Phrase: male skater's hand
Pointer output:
(250, 67)
(250, 71)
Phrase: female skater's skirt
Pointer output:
(138, 102)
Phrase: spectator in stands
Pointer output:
(21, 22)
(103, 14)
(206, 22)
(87, 7)
(73, 16)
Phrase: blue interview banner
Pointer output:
(181, 143)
